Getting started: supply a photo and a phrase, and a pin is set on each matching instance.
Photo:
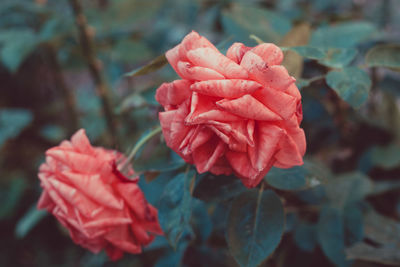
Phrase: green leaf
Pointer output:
(331, 237)
(16, 46)
(287, 179)
(351, 84)
(385, 255)
(130, 51)
(330, 57)
(175, 208)
(382, 230)
(28, 221)
(385, 186)
(297, 178)
(255, 226)
(387, 55)
(243, 20)
(133, 101)
(218, 188)
(56, 28)
(353, 224)
(53, 133)
(305, 236)
(301, 83)
(386, 157)
(12, 122)
(152, 66)
(347, 189)
(201, 221)
(298, 36)
(307, 51)
(123, 16)
(163, 164)
(11, 195)
(344, 35)
(94, 260)
(385, 233)
(338, 57)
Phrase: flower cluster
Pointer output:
(238, 113)
(101, 208)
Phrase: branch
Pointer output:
(88, 49)
(68, 94)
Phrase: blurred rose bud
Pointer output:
(101, 208)
(238, 113)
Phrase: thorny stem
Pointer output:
(261, 188)
(142, 142)
(88, 49)
(138, 146)
(68, 95)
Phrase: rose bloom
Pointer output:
(101, 208)
(238, 113)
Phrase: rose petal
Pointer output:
(267, 138)
(70, 194)
(293, 91)
(151, 224)
(299, 138)
(44, 201)
(114, 253)
(221, 167)
(107, 222)
(67, 144)
(212, 115)
(141, 234)
(225, 138)
(173, 57)
(196, 73)
(132, 194)
(193, 41)
(248, 107)
(201, 137)
(81, 143)
(199, 104)
(212, 59)
(250, 131)
(173, 128)
(173, 93)
(241, 164)
(237, 51)
(53, 194)
(93, 187)
(276, 77)
(206, 155)
(76, 161)
(270, 53)
(288, 153)
(279, 102)
(231, 88)
(235, 145)
(122, 238)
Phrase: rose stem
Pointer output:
(68, 94)
(139, 145)
(88, 49)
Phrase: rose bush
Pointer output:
(238, 113)
(101, 208)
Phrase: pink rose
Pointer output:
(238, 113)
(101, 208)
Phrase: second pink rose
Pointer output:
(238, 113)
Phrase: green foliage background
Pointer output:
(341, 208)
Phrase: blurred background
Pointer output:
(48, 90)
